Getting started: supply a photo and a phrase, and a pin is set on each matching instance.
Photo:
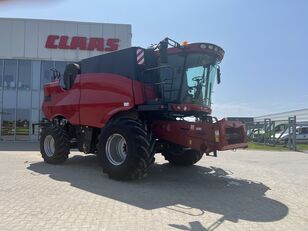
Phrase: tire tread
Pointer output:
(144, 155)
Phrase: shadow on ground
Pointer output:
(193, 226)
(19, 146)
(185, 190)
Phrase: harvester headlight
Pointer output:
(185, 43)
(203, 46)
(211, 47)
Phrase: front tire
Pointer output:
(54, 144)
(180, 156)
(125, 149)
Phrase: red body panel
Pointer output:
(205, 137)
(149, 93)
(93, 99)
(143, 92)
(103, 95)
(138, 92)
(60, 102)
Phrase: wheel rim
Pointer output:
(49, 146)
(116, 149)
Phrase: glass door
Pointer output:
(23, 100)
(8, 122)
(1, 94)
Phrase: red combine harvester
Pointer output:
(127, 105)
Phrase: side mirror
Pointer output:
(218, 75)
(70, 73)
(163, 54)
(56, 74)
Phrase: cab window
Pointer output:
(304, 131)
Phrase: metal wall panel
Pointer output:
(96, 31)
(71, 29)
(31, 39)
(83, 29)
(124, 32)
(301, 116)
(5, 39)
(56, 28)
(43, 53)
(17, 40)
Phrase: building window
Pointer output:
(21, 90)
(10, 74)
(22, 124)
(1, 72)
(46, 73)
(36, 74)
(60, 66)
(24, 75)
(8, 124)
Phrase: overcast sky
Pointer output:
(264, 69)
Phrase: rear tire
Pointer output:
(125, 149)
(180, 156)
(54, 144)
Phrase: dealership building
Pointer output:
(29, 49)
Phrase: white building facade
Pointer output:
(301, 116)
(29, 49)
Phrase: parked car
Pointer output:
(301, 135)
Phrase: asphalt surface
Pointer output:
(242, 190)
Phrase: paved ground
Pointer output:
(243, 190)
